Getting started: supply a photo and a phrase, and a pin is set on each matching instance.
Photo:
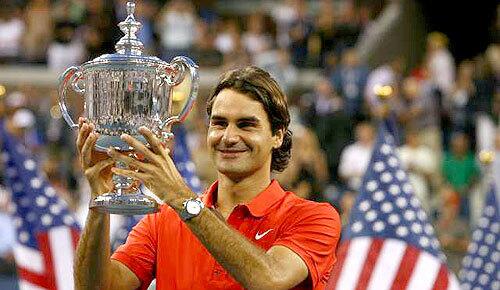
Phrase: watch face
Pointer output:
(193, 207)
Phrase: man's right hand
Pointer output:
(95, 165)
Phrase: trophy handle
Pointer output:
(69, 77)
(178, 68)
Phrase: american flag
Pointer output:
(186, 167)
(389, 242)
(481, 265)
(47, 233)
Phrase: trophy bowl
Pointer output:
(122, 92)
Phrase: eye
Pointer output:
(217, 123)
(245, 124)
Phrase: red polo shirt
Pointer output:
(161, 246)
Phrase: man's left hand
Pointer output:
(157, 171)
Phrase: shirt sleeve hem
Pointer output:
(126, 260)
(305, 257)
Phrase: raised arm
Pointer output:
(93, 267)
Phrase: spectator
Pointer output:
(419, 161)
(386, 74)
(324, 31)
(8, 279)
(228, 36)
(12, 28)
(440, 63)
(255, 39)
(177, 28)
(39, 29)
(325, 114)
(349, 79)
(460, 171)
(204, 51)
(306, 173)
(66, 49)
(278, 64)
(355, 157)
(419, 112)
(300, 31)
(459, 102)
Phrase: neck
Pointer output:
(234, 191)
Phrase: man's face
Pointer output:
(239, 136)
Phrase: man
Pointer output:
(245, 231)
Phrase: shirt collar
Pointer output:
(259, 206)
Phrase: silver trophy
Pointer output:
(122, 92)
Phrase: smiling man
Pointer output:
(245, 231)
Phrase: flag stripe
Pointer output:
(75, 237)
(371, 260)
(29, 259)
(337, 268)
(441, 279)
(32, 278)
(25, 285)
(353, 263)
(406, 268)
(387, 265)
(44, 245)
(453, 282)
(61, 242)
(424, 273)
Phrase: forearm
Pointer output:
(246, 262)
(93, 253)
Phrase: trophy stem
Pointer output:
(122, 183)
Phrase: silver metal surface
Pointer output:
(124, 91)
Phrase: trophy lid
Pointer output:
(129, 49)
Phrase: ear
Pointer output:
(278, 139)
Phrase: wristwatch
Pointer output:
(191, 208)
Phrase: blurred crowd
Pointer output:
(446, 110)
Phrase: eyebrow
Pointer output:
(244, 119)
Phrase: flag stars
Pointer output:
(378, 226)
(371, 216)
(489, 239)
(409, 215)
(483, 222)
(371, 185)
(29, 165)
(407, 188)
(387, 207)
(393, 162)
(364, 206)
(24, 202)
(402, 231)
(24, 236)
(357, 227)
(483, 279)
(477, 263)
(379, 196)
(489, 268)
(68, 220)
(46, 219)
(17, 187)
(495, 227)
(386, 177)
(424, 242)
(415, 202)
(435, 243)
(49, 191)
(489, 211)
(394, 219)
(11, 172)
(428, 229)
(55, 209)
(386, 149)
(416, 228)
(422, 215)
(41, 201)
(379, 166)
(394, 189)
(36, 183)
(401, 202)
(400, 175)
(483, 251)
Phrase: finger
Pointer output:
(153, 141)
(117, 156)
(87, 149)
(129, 173)
(99, 166)
(83, 134)
(140, 147)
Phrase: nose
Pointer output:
(230, 135)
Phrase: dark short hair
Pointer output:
(259, 85)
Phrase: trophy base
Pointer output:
(125, 204)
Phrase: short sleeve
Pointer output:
(139, 251)
(313, 232)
